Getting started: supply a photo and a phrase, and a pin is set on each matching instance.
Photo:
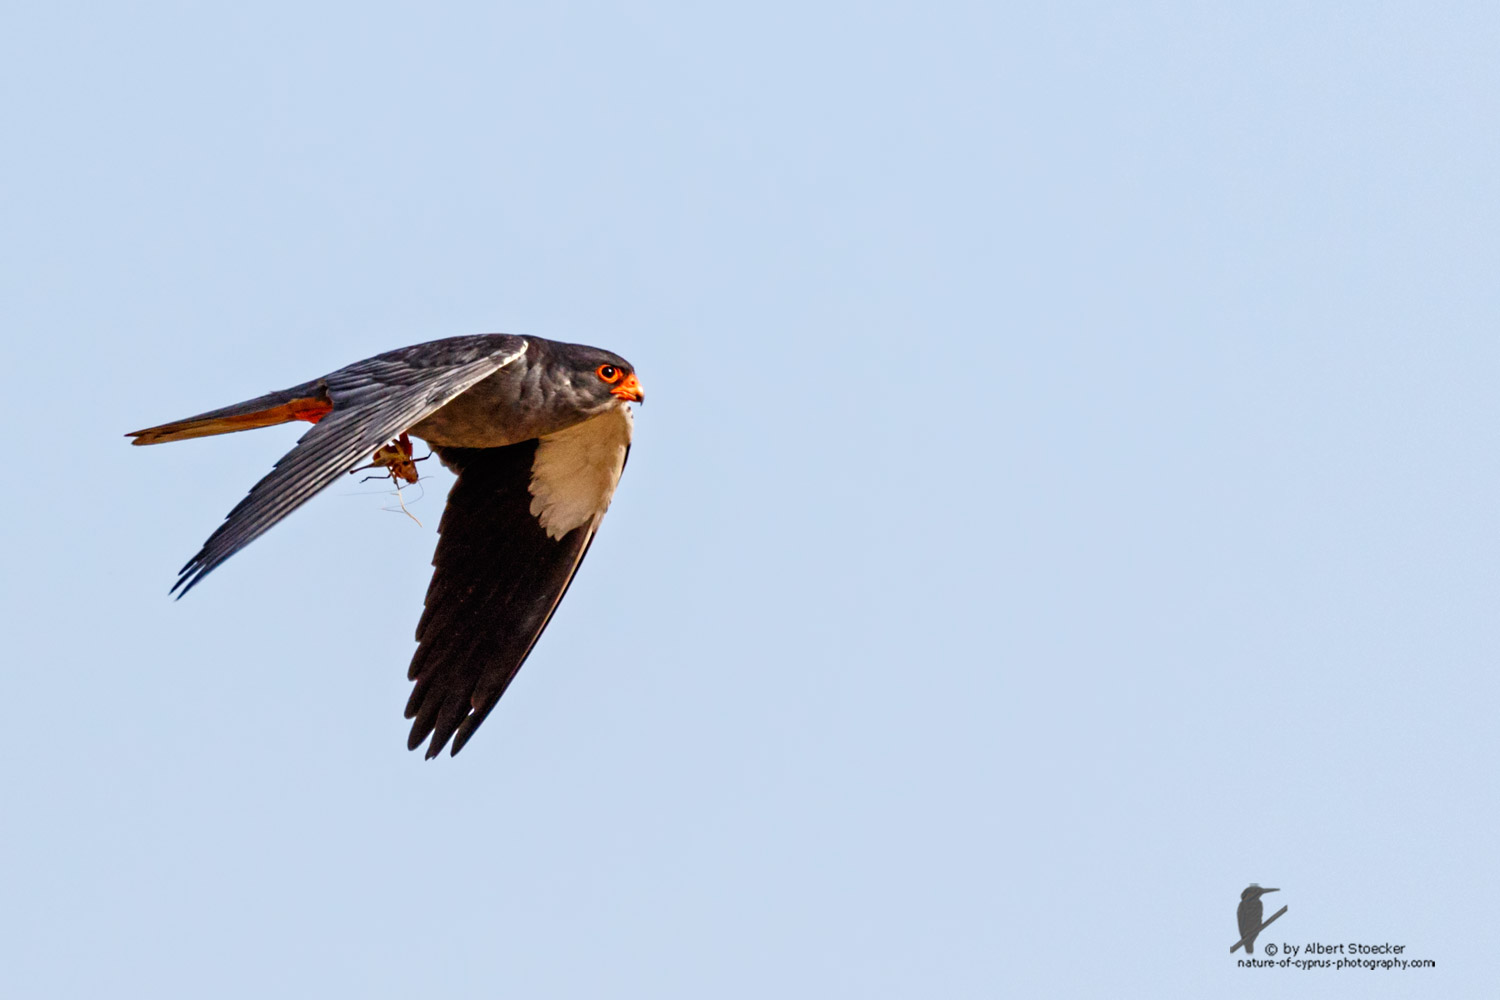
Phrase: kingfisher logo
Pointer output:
(1249, 915)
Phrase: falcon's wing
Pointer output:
(373, 401)
(518, 523)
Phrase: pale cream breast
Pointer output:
(574, 474)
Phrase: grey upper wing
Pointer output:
(373, 401)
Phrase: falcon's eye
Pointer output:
(609, 373)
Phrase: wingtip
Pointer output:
(191, 574)
(186, 581)
(434, 748)
(417, 737)
(461, 738)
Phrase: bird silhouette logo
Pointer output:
(1249, 915)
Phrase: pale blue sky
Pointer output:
(1067, 494)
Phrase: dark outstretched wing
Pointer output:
(497, 578)
(373, 401)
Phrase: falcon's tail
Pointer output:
(308, 401)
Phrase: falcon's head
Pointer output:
(589, 380)
(619, 380)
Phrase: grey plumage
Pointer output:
(373, 401)
(517, 525)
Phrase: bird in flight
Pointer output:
(538, 433)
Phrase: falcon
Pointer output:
(537, 432)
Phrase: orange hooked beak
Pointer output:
(629, 390)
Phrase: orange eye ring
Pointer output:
(609, 374)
